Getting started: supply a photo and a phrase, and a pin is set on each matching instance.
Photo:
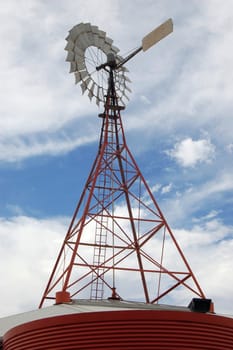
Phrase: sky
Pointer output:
(180, 109)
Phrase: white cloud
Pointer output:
(28, 250)
(29, 247)
(155, 188)
(189, 152)
(167, 188)
(208, 248)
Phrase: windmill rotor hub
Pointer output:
(111, 60)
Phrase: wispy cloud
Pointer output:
(20, 149)
(184, 207)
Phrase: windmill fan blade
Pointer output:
(90, 38)
(81, 65)
(123, 69)
(109, 41)
(73, 67)
(76, 31)
(99, 42)
(127, 88)
(87, 46)
(83, 87)
(90, 94)
(94, 29)
(115, 49)
(101, 94)
(84, 41)
(84, 74)
(78, 77)
(69, 45)
(124, 94)
(106, 48)
(78, 51)
(157, 34)
(70, 56)
(102, 34)
(91, 90)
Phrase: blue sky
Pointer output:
(180, 109)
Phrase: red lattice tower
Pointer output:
(118, 244)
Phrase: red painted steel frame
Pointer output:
(118, 232)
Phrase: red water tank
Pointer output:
(119, 330)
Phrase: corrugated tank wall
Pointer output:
(118, 330)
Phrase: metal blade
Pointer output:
(78, 59)
(127, 79)
(83, 87)
(106, 48)
(87, 81)
(94, 29)
(99, 42)
(69, 45)
(122, 77)
(96, 39)
(73, 67)
(101, 94)
(102, 34)
(98, 92)
(90, 39)
(78, 77)
(91, 91)
(123, 69)
(83, 41)
(78, 51)
(109, 41)
(121, 100)
(87, 27)
(115, 49)
(90, 95)
(97, 101)
(75, 31)
(81, 65)
(127, 88)
(70, 56)
(123, 93)
(157, 34)
(84, 74)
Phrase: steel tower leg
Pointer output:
(118, 238)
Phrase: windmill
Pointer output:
(119, 258)
(119, 244)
